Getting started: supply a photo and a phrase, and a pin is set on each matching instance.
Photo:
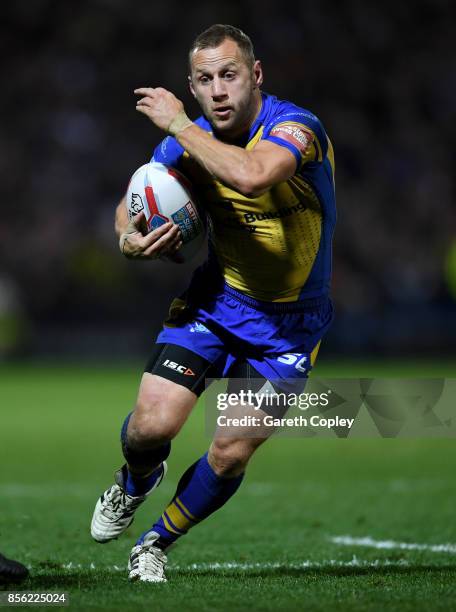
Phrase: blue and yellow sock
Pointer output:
(139, 485)
(200, 492)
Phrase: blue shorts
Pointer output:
(280, 340)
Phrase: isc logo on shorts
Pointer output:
(172, 365)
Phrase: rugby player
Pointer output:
(264, 170)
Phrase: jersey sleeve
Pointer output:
(168, 152)
(300, 132)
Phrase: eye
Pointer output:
(229, 75)
(203, 79)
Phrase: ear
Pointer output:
(257, 74)
(190, 86)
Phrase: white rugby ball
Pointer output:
(165, 195)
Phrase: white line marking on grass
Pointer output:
(355, 562)
(92, 566)
(391, 544)
(234, 565)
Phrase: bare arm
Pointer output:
(249, 172)
(121, 218)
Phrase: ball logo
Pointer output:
(137, 205)
(188, 221)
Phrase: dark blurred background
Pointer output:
(380, 75)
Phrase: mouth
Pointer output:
(222, 112)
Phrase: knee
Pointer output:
(229, 458)
(151, 424)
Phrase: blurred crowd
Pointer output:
(381, 76)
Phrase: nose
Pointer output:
(218, 89)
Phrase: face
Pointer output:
(226, 88)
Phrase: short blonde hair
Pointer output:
(216, 34)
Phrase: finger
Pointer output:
(145, 102)
(177, 239)
(156, 249)
(138, 219)
(145, 110)
(155, 234)
(170, 240)
(171, 249)
(162, 244)
(144, 91)
(177, 246)
(172, 246)
(175, 231)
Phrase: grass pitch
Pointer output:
(318, 524)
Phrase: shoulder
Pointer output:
(295, 128)
(284, 111)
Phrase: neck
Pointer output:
(258, 103)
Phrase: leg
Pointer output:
(210, 482)
(229, 457)
(167, 393)
(166, 396)
(214, 478)
(204, 488)
(161, 410)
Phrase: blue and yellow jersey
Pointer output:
(275, 247)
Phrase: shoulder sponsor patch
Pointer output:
(294, 134)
